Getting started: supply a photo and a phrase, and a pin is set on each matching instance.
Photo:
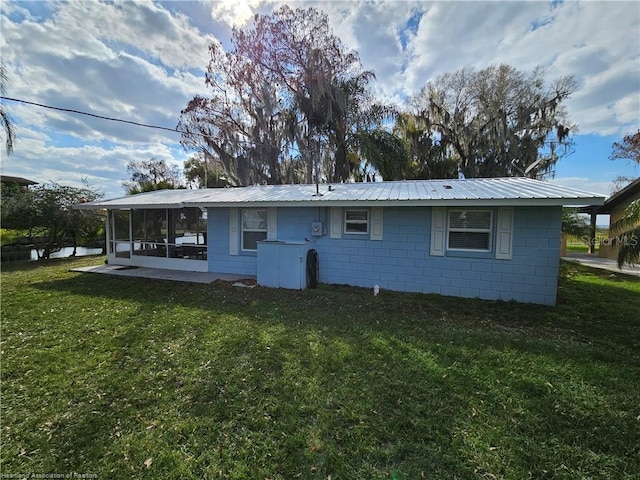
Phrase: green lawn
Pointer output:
(580, 244)
(128, 378)
(579, 248)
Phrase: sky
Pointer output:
(143, 61)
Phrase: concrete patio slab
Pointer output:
(163, 274)
(602, 263)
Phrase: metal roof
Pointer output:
(18, 180)
(623, 197)
(470, 192)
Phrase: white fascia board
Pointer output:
(89, 206)
(129, 206)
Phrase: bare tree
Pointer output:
(286, 98)
(628, 149)
(499, 121)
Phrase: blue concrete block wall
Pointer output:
(218, 246)
(293, 224)
(401, 260)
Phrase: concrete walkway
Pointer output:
(210, 277)
(602, 263)
(162, 274)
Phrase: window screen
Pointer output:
(356, 221)
(470, 230)
(254, 228)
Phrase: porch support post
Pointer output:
(592, 230)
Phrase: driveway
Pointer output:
(602, 263)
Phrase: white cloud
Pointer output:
(143, 25)
(103, 166)
(451, 36)
(104, 74)
(583, 183)
(596, 42)
(235, 12)
(608, 100)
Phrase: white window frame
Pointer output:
(243, 230)
(366, 222)
(488, 231)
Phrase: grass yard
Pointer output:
(117, 378)
(579, 248)
(580, 244)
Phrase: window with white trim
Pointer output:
(356, 221)
(254, 228)
(469, 230)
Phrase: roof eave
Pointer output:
(500, 202)
(622, 197)
(519, 202)
(130, 206)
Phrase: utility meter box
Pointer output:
(316, 229)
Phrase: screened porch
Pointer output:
(158, 237)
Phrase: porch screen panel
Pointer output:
(155, 225)
(202, 227)
(149, 232)
(121, 233)
(189, 231)
(137, 228)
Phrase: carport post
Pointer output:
(592, 230)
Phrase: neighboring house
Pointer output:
(489, 238)
(615, 207)
(21, 183)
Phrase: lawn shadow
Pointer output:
(30, 265)
(587, 313)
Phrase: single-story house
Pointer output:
(494, 238)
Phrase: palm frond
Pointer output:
(630, 219)
(629, 247)
(7, 125)
(5, 118)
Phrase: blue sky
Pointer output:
(143, 61)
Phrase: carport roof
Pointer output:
(512, 191)
(617, 200)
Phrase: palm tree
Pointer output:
(386, 152)
(629, 225)
(5, 119)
